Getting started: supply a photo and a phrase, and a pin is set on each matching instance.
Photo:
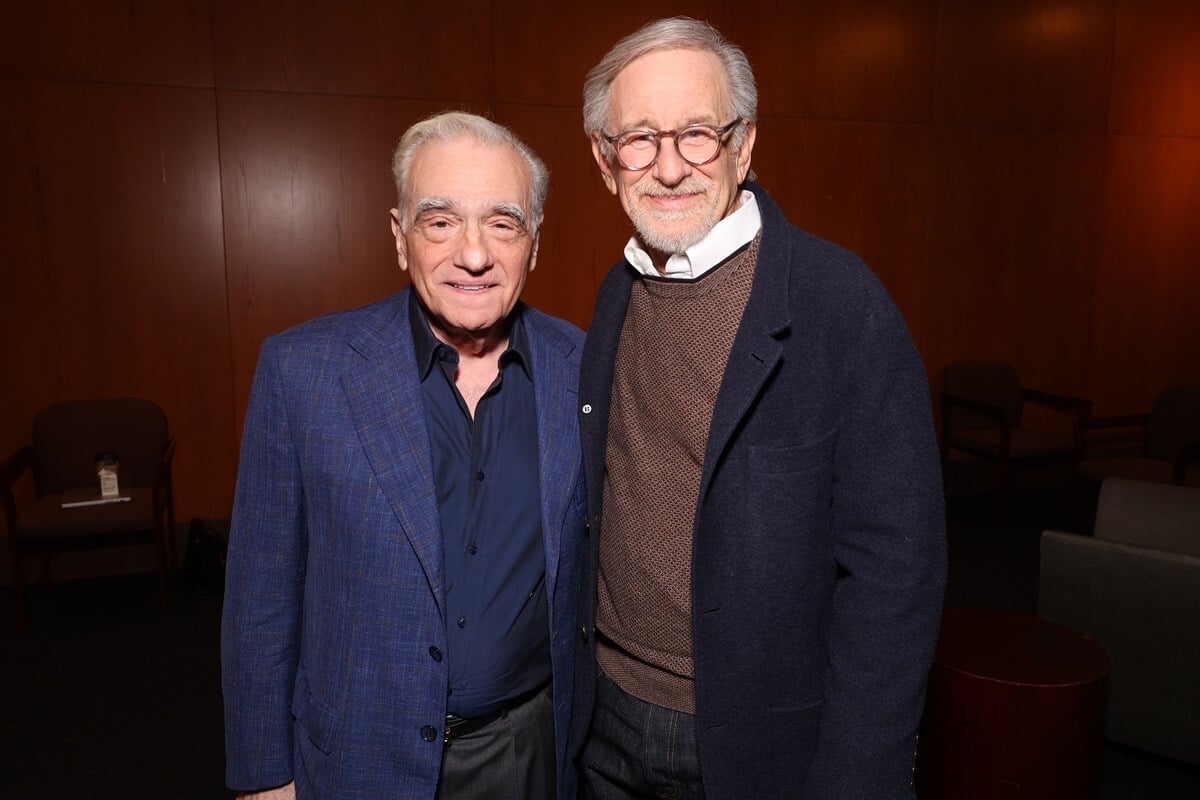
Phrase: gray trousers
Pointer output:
(510, 759)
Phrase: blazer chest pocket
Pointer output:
(815, 454)
(791, 485)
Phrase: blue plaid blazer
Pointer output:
(333, 613)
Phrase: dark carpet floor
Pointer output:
(104, 700)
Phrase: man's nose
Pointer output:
(670, 168)
(473, 252)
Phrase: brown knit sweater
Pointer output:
(674, 346)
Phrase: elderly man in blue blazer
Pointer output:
(402, 571)
(765, 578)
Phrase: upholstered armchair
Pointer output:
(62, 458)
(1134, 586)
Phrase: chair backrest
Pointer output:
(992, 382)
(1174, 422)
(67, 436)
(1160, 516)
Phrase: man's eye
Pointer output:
(639, 140)
(694, 135)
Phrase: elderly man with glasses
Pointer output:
(767, 548)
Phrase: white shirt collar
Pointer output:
(726, 237)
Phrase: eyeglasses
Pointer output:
(697, 144)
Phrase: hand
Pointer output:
(286, 792)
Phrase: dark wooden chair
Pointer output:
(1160, 446)
(983, 405)
(66, 439)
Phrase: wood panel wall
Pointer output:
(184, 178)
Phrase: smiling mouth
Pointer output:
(464, 287)
(671, 200)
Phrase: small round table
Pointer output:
(1015, 709)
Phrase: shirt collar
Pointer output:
(429, 349)
(726, 237)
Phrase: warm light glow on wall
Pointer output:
(1053, 25)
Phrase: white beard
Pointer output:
(649, 222)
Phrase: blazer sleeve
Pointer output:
(264, 589)
(890, 548)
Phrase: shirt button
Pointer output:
(472, 549)
(462, 622)
(429, 733)
(435, 654)
(479, 476)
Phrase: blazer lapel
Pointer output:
(596, 376)
(389, 418)
(555, 396)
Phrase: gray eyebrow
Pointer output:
(426, 204)
(432, 204)
(511, 210)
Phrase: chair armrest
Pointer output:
(10, 471)
(1127, 441)
(1189, 456)
(1124, 421)
(1075, 406)
(995, 412)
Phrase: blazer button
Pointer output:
(584, 632)
(429, 733)
(435, 654)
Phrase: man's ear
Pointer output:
(537, 238)
(401, 242)
(743, 155)
(606, 171)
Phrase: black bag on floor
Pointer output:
(204, 560)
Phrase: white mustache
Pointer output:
(692, 185)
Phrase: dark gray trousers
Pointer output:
(510, 759)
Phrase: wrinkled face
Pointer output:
(465, 238)
(674, 204)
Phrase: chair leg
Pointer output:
(161, 557)
(1004, 498)
(17, 578)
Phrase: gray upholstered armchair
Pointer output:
(1135, 588)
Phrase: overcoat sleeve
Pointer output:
(889, 547)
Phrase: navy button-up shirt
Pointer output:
(489, 501)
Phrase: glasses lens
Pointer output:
(637, 149)
(698, 145)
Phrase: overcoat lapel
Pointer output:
(389, 417)
(757, 346)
